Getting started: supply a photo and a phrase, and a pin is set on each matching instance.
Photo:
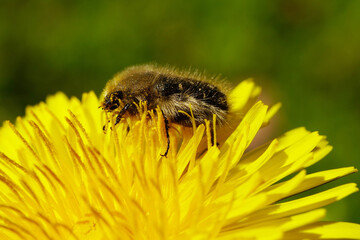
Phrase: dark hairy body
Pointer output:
(174, 92)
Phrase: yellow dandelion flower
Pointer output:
(62, 177)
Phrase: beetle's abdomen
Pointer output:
(178, 94)
(185, 88)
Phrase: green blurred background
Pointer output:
(305, 54)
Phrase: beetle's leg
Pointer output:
(122, 112)
(167, 135)
(212, 133)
